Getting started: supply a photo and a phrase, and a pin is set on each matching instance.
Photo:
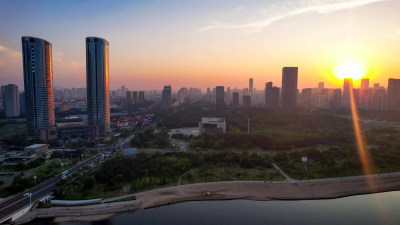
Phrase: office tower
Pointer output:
(321, 85)
(166, 97)
(11, 100)
(289, 87)
(22, 108)
(364, 90)
(379, 98)
(251, 86)
(306, 98)
(246, 101)
(235, 99)
(376, 86)
(220, 96)
(135, 97)
(38, 83)
(271, 96)
(208, 92)
(123, 91)
(97, 76)
(393, 94)
(335, 102)
(182, 95)
(128, 97)
(347, 87)
(141, 99)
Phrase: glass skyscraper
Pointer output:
(38, 81)
(97, 74)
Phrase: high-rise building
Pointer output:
(235, 99)
(141, 99)
(128, 97)
(321, 85)
(135, 97)
(166, 96)
(220, 96)
(182, 95)
(97, 76)
(364, 92)
(251, 86)
(347, 89)
(335, 102)
(393, 94)
(38, 83)
(11, 100)
(271, 96)
(246, 101)
(289, 87)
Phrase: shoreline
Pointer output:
(330, 188)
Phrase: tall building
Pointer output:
(166, 96)
(321, 85)
(335, 102)
(289, 87)
(235, 99)
(271, 96)
(220, 96)
(135, 97)
(246, 101)
(251, 86)
(97, 76)
(38, 83)
(22, 108)
(183, 95)
(364, 92)
(128, 97)
(11, 100)
(347, 88)
(393, 94)
(141, 99)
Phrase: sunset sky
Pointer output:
(204, 43)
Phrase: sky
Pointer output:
(206, 43)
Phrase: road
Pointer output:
(20, 201)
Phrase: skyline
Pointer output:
(208, 44)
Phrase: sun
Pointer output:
(350, 68)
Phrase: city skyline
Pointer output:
(225, 45)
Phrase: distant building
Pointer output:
(251, 86)
(220, 96)
(22, 108)
(135, 97)
(129, 99)
(393, 94)
(97, 79)
(166, 97)
(271, 96)
(11, 100)
(306, 98)
(37, 149)
(335, 102)
(321, 85)
(364, 93)
(235, 99)
(76, 129)
(347, 89)
(289, 87)
(212, 125)
(246, 101)
(141, 99)
(38, 84)
(183, 95)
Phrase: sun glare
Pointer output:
(350, 69)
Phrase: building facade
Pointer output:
(38, 82)
(220, 96)
(289, 87)
(97, 76)
(393, 94)
(167, 97)
(271, 96)
(11, 100)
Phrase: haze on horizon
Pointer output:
(206, 43)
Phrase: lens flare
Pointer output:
(350, 68)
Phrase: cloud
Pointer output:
(7, 56)
(288, 10)
(59, 61)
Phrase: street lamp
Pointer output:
(30, 197)
(35, 177)
(62, 167)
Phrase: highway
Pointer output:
(23, 200)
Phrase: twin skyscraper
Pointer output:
(38, 81)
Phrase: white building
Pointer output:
(212, 125)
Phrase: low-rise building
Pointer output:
(130, 152)
(39, 150)
(212, 125)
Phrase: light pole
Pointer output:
(62, 167)
(35, 177)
